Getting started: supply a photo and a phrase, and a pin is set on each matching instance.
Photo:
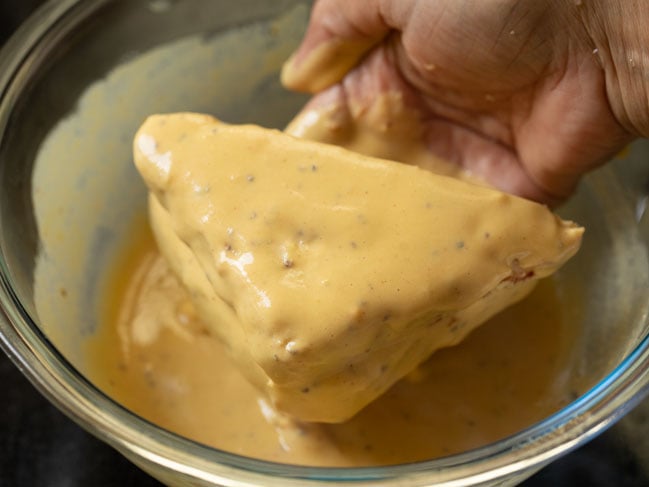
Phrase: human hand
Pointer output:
(519, 93)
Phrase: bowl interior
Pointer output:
(69, 191)
(77, 185)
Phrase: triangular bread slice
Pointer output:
(331, 275)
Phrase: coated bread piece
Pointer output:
(330, 275)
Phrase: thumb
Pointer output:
(339, 33)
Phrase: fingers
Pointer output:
(569, 130)
(483, 159)
(339, 34)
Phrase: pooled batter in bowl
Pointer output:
(154, 356)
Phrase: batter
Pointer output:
(157, 359)
(330, 275)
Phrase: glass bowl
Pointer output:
(75, 83)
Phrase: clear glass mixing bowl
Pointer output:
(77, 80)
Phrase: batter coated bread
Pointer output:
(330, 275)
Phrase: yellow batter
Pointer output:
(154, 357)
(330, 275)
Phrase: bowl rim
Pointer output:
(68, 390)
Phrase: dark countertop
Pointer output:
(39, 446)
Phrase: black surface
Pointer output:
(39, 446)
